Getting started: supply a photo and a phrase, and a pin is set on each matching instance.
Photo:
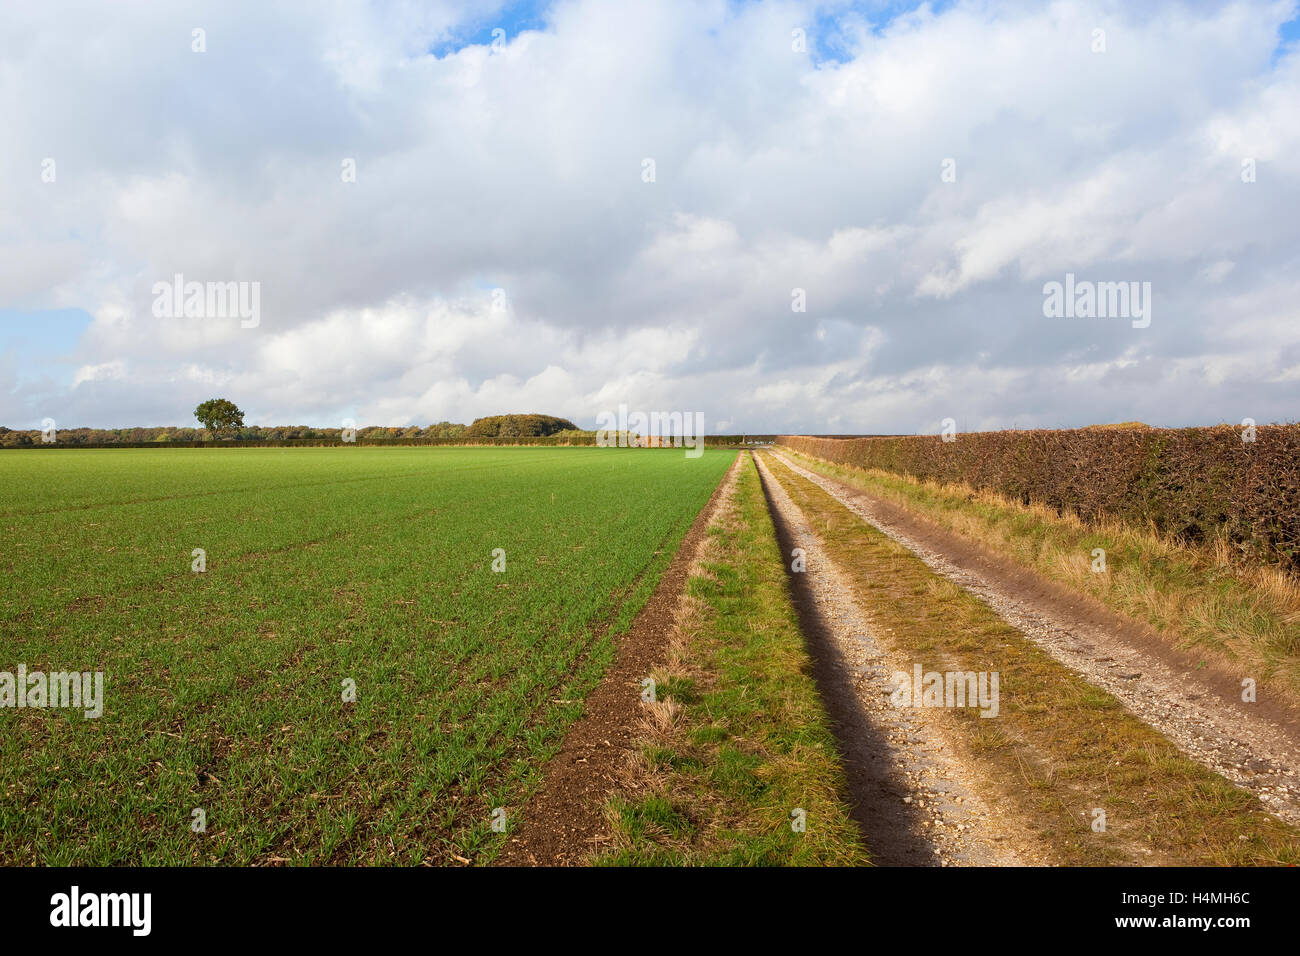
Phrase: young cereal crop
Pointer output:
(227, 733)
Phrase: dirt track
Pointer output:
(1257, 745)
(915, 801)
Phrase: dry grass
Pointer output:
(1059, 747)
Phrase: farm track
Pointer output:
(563, 822)
(914, 800)
(1256, 746)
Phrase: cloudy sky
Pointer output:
(454, 209)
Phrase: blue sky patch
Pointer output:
(40, 343)
(513, 18)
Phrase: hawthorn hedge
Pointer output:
(1191, 483)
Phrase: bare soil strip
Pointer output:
(913, 798)
(564, 822)
(1255, 745)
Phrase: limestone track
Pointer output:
(916, 801)
(1256, 747)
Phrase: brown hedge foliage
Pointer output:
(1193, 483)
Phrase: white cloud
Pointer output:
(105, 371)
(521, 169)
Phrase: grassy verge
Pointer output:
(738, 739)
(1229, 611)
(1060, 748)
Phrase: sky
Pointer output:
(789, 217)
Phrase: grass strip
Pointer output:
(737, 749)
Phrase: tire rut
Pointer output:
(913, 799)
(1259, 752)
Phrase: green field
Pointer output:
(224, 689)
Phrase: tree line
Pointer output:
(222, 420)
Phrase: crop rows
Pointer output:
(223, 688)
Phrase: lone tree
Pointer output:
(218, 415)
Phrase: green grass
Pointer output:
(739, 738)
(223, 689)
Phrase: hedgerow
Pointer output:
(1195, 484)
